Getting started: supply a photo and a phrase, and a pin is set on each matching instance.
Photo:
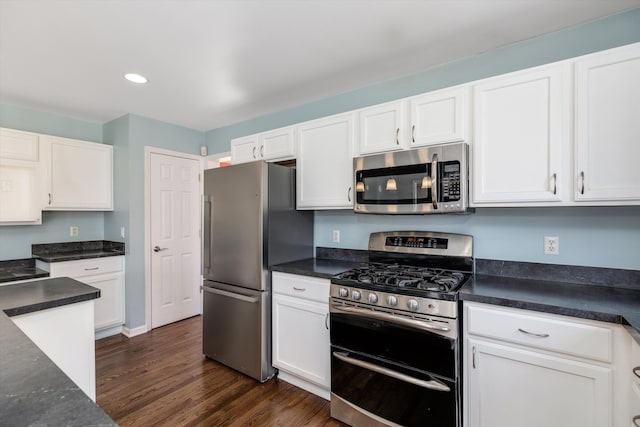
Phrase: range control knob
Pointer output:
(373, 298)
(355, 295)
(392, 300)
(343, 292)
(412, 305)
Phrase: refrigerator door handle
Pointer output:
(231, 294)
(207, 230)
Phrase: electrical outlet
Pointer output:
(335, 236)
(551, 245)
(122, 232)
(73, 231)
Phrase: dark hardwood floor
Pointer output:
(162, 379)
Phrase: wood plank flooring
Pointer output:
(162, 379)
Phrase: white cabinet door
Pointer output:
(106, 274)
(510, 387)
(301, 339)
(109, 308)
(520, 137)
(439, 117)
(20, 178)
(78, 175)
(244, 149)
(277, 144)
(381, 128)
(608, 125)
(324, 175)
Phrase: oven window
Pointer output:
(389, 396)
(395, 185)
(412, 347)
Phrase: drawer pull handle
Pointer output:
(92, 268)
(533, 334)
(636, 371)
(636, 421)
(473, 359)
(326, 321)
(299, 289)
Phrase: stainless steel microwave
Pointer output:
(429, 180)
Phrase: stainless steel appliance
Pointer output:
(394, 331)
(428, 180)
(250, 223)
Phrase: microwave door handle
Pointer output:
(434, 181)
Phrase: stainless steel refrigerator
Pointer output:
(250, 224)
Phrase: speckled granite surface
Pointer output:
(33, 390)
(71, 251)
(20, 269)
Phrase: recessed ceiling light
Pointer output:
(136, 78)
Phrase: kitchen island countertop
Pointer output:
(33, 390)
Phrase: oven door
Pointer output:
(386, 373)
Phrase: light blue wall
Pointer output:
(607, 237)
(129, 135)
(16, 241)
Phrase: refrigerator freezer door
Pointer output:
(236, 325)
(235, 197)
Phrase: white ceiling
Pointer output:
(213, 63)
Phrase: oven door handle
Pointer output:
(432, 385)
(419, 324)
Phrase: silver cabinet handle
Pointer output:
(636, 371)
(473, 357)
(582, 182)
(398, 136)
(254, 152)
(434, 181)
(533, 334)
(49, 198)
(413, 133)
(636, 421)
(349, 194)
(158, 249)
(555, 183)
(326, 321)
(432, 385)
(299, 289)
(262, 151)
(92, 269)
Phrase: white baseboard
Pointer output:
(108, 332)
(132, 332)
(305, 385)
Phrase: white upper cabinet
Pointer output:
(324, 175)
(20, 178)
(607, 148)
(277, 144)
(78, 175)
(521, 125)
(439, 117)
(381, 128)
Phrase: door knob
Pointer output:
(158, 249)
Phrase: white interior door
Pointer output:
(175, 241)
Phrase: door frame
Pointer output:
(148, 151)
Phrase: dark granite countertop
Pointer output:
(316, 267)
(71, 251)
(33, 390)
(20, 269)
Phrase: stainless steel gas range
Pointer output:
(394, 331)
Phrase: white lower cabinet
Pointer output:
(529, 369)
(106, 274)
(65, 335)
(301, 347)
(634, 374)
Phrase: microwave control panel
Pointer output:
(450, 181)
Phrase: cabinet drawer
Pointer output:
(87, 267)
(548, 332)
(635, 363)
(312, 288)
(635, 403)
